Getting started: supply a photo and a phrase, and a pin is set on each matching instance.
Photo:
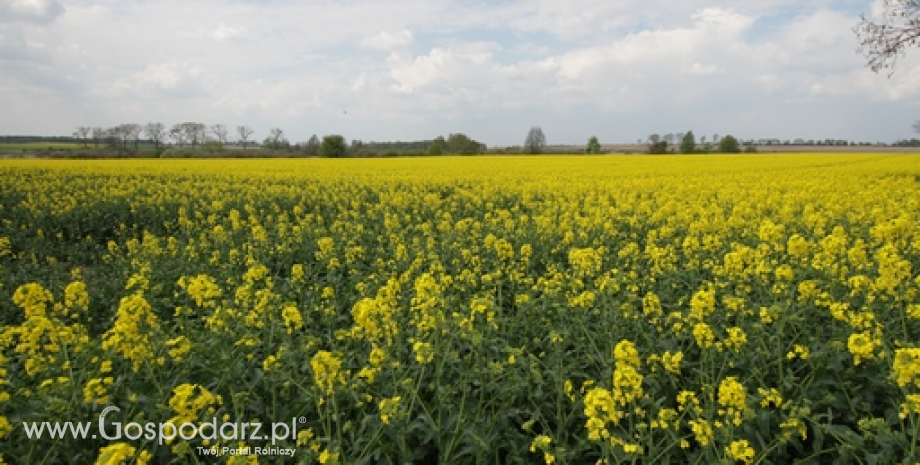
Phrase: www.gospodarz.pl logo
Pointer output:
(166, 432)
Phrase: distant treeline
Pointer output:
(33, 139)
(407, 147)
(113, 146)
(457, 143)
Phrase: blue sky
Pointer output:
(415, 69)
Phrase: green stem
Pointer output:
(913, 440)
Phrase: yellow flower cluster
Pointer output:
(733, 399)
(798, 350)
(604, 407)
(6, 246)
(130, 335)
(179, 346)
(189, 400)
(389, 408)
(862, 345)
(670, 361)
(741, 451)
(76, 298)
(543, 443)
(770, 396)
(424, 352)
(122, 453)
(96, 390)
(45, 339)
(907, 373)
(203, 289)
(5, 427)
(327, 372)
(374, 319)
(703, 334)
(627, 381)
(907, 367)
(586, 261)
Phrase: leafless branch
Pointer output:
(884, 40)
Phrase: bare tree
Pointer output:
(884, 41)
(119, 135)
(113, 136)
(244, 132)
(654, 138)
(155, 132)
(177, 134)
(917, 126)
(220, 132)
(98, 135)
(669, 138)
(194, 133)
(535, 141)
(276, 138)
(133, 132)
(83, 133)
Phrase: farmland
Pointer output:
(668, 309)
(20, 148)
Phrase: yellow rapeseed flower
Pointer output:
(862, 346)
(122, 453)
(388, 408)
(741, 451)
(703, 335)
(327, 371)
(907, 367)
(424, 352)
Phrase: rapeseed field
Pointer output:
(560, 309)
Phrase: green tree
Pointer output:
(312, 146)
(658, 147)
(729, 144)
(593, 145)
(333, 146)
(461, 144)
(688, 143)
(437, 146)
(357, 149)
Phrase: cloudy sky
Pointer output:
(415, 69)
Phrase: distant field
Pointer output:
(20, 147)
(633, 148)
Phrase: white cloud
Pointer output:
(700, 69)
(159, 75)
(389, 41)
(38, 11)
(157, 82)
(224, 32)
(450, 70)
(415, 68)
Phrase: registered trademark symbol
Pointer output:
(302, 420)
